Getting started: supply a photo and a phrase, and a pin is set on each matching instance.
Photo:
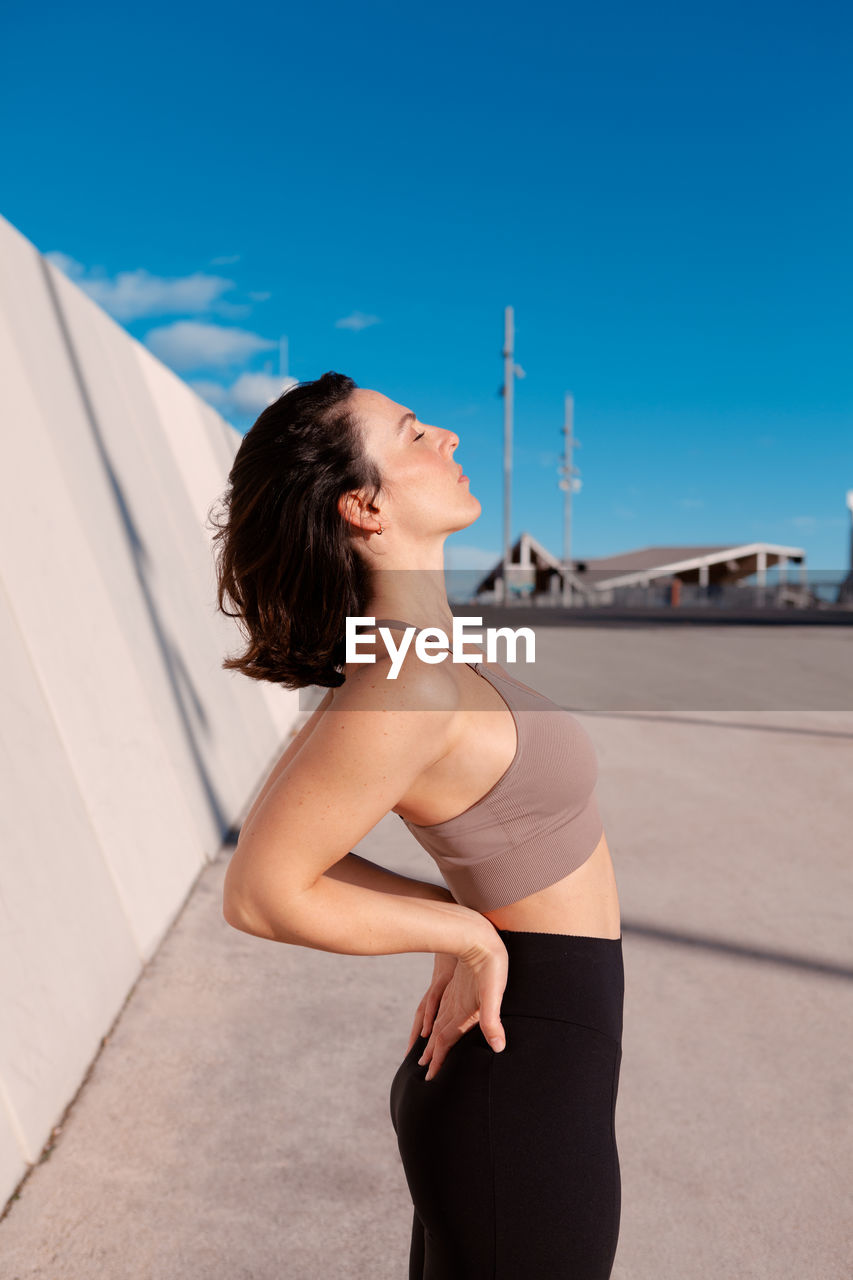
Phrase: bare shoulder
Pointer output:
(416, 686)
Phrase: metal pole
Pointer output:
(845, 591)
(567, 506)
(568, 472)
(509, 379)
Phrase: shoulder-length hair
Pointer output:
(285, 556)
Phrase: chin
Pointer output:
(475, 513)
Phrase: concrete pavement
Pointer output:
(236, 1122)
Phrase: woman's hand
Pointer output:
(442, 972)
(472, 995)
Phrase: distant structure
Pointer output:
(709, 567)
(535, 573)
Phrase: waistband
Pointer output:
(565, 976)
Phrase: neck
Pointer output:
(414, 596)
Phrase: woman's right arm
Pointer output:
(364, 754)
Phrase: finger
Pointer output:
(432, 1043)
(429, 1018)
(436, 1061)
(416, 1029)
(427, 1054)
(492, 1029)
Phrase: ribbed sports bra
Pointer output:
(539, 821)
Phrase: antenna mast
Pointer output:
(570, 483)
(511, 372)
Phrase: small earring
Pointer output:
(379, 530)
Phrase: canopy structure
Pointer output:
(534, 571)
(702, 565)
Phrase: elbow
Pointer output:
(233, 915)
(247, 918)
(247, 914)
(238, 908)
(235, 910)
(262, 907)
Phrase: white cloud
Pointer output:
(225, 260)
(260, 295)
(812, 522)
(248, 395)
(132, 294)
(252, 392)
(194, 344)
(356, 320)
(690, 502)
(66, 264)
(212, 392)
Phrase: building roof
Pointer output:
(724, 561)
(648, 557)
(732, 561)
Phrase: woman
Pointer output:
(339, 503)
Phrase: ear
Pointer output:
(355, 510)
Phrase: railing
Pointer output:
(824, 590)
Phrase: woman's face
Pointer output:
(422, 493)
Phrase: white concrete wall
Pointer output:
(126, 752)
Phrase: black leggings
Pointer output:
(511, 1157)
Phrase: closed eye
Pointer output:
(417, 437)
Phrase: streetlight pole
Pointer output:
(570, 483)
(511, 372)
(845, 591)
(508, 399)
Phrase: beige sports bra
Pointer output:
(538, 822)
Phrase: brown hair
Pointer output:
(285, 556)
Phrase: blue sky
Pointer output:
(662, 192)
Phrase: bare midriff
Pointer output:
(583, 902)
